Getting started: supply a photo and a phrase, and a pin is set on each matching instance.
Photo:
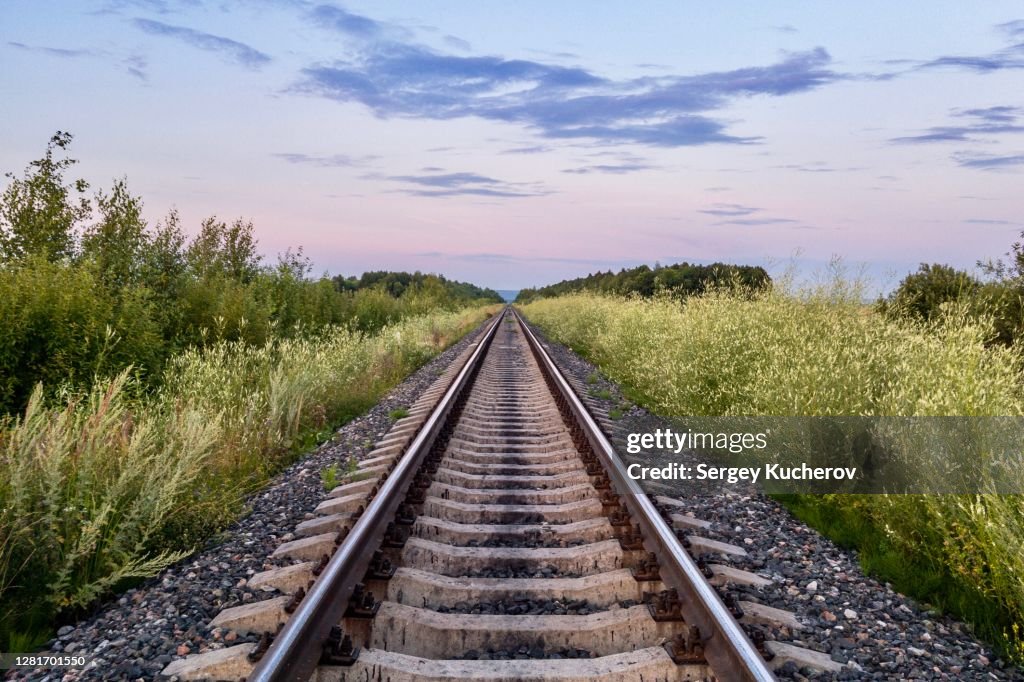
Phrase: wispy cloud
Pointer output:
(758, 221)
(612, 168)
(354, 25)
(62, 52)
(818, 167)
(399, 78)
(458, 43)
(136, 66)
(559, 54)
(1014, 29)
(133, 64)
(533, 149)
(464, 184)
(729, 210)
(162, 7)
(735, 214)
(232, 49)
(988, 162)
(987, 121)
(1009, 57)
(332, 161)
(990, 221)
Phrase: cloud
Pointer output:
(1010, 57)
(343, 21)
(396, 79)
(818, 167)
(614, 169)
(735, 213)
(757, 221)
(534, 149)
(990, 221)
(994, 120)
(997, 114)
(62, 52)
(154, 6)
(135, 65)
(554, 55)
(463, 184)
(1014, 29)
(232, 49)
(986, 162)
(786, 28)
(447, 180)
(458, 43)
(332, 161)
(729, 210)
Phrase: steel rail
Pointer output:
(728, 649)
(296, 650)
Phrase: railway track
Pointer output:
(493, 535)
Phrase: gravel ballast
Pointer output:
(137, 634)
(879, 633)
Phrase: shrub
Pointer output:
(922, 294)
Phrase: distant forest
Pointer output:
(399, 283)
(683, 279)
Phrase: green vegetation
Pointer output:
(999, 299)
(398, 413)
(398, 284)
(823, 352)
(682, 279)
(115, 485)
(329, 477)
(150, 381)
(88, 288)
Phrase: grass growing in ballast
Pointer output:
(106, 487)
(821, 351)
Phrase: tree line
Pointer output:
(683, 279)
(88, 287)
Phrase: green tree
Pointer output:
(117, 242)
(922, 293)
(225, 249)
(40, 213)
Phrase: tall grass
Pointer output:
(109, 486)
(820, 351)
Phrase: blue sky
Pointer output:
(516, 144)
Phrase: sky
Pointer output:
(518, 144)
